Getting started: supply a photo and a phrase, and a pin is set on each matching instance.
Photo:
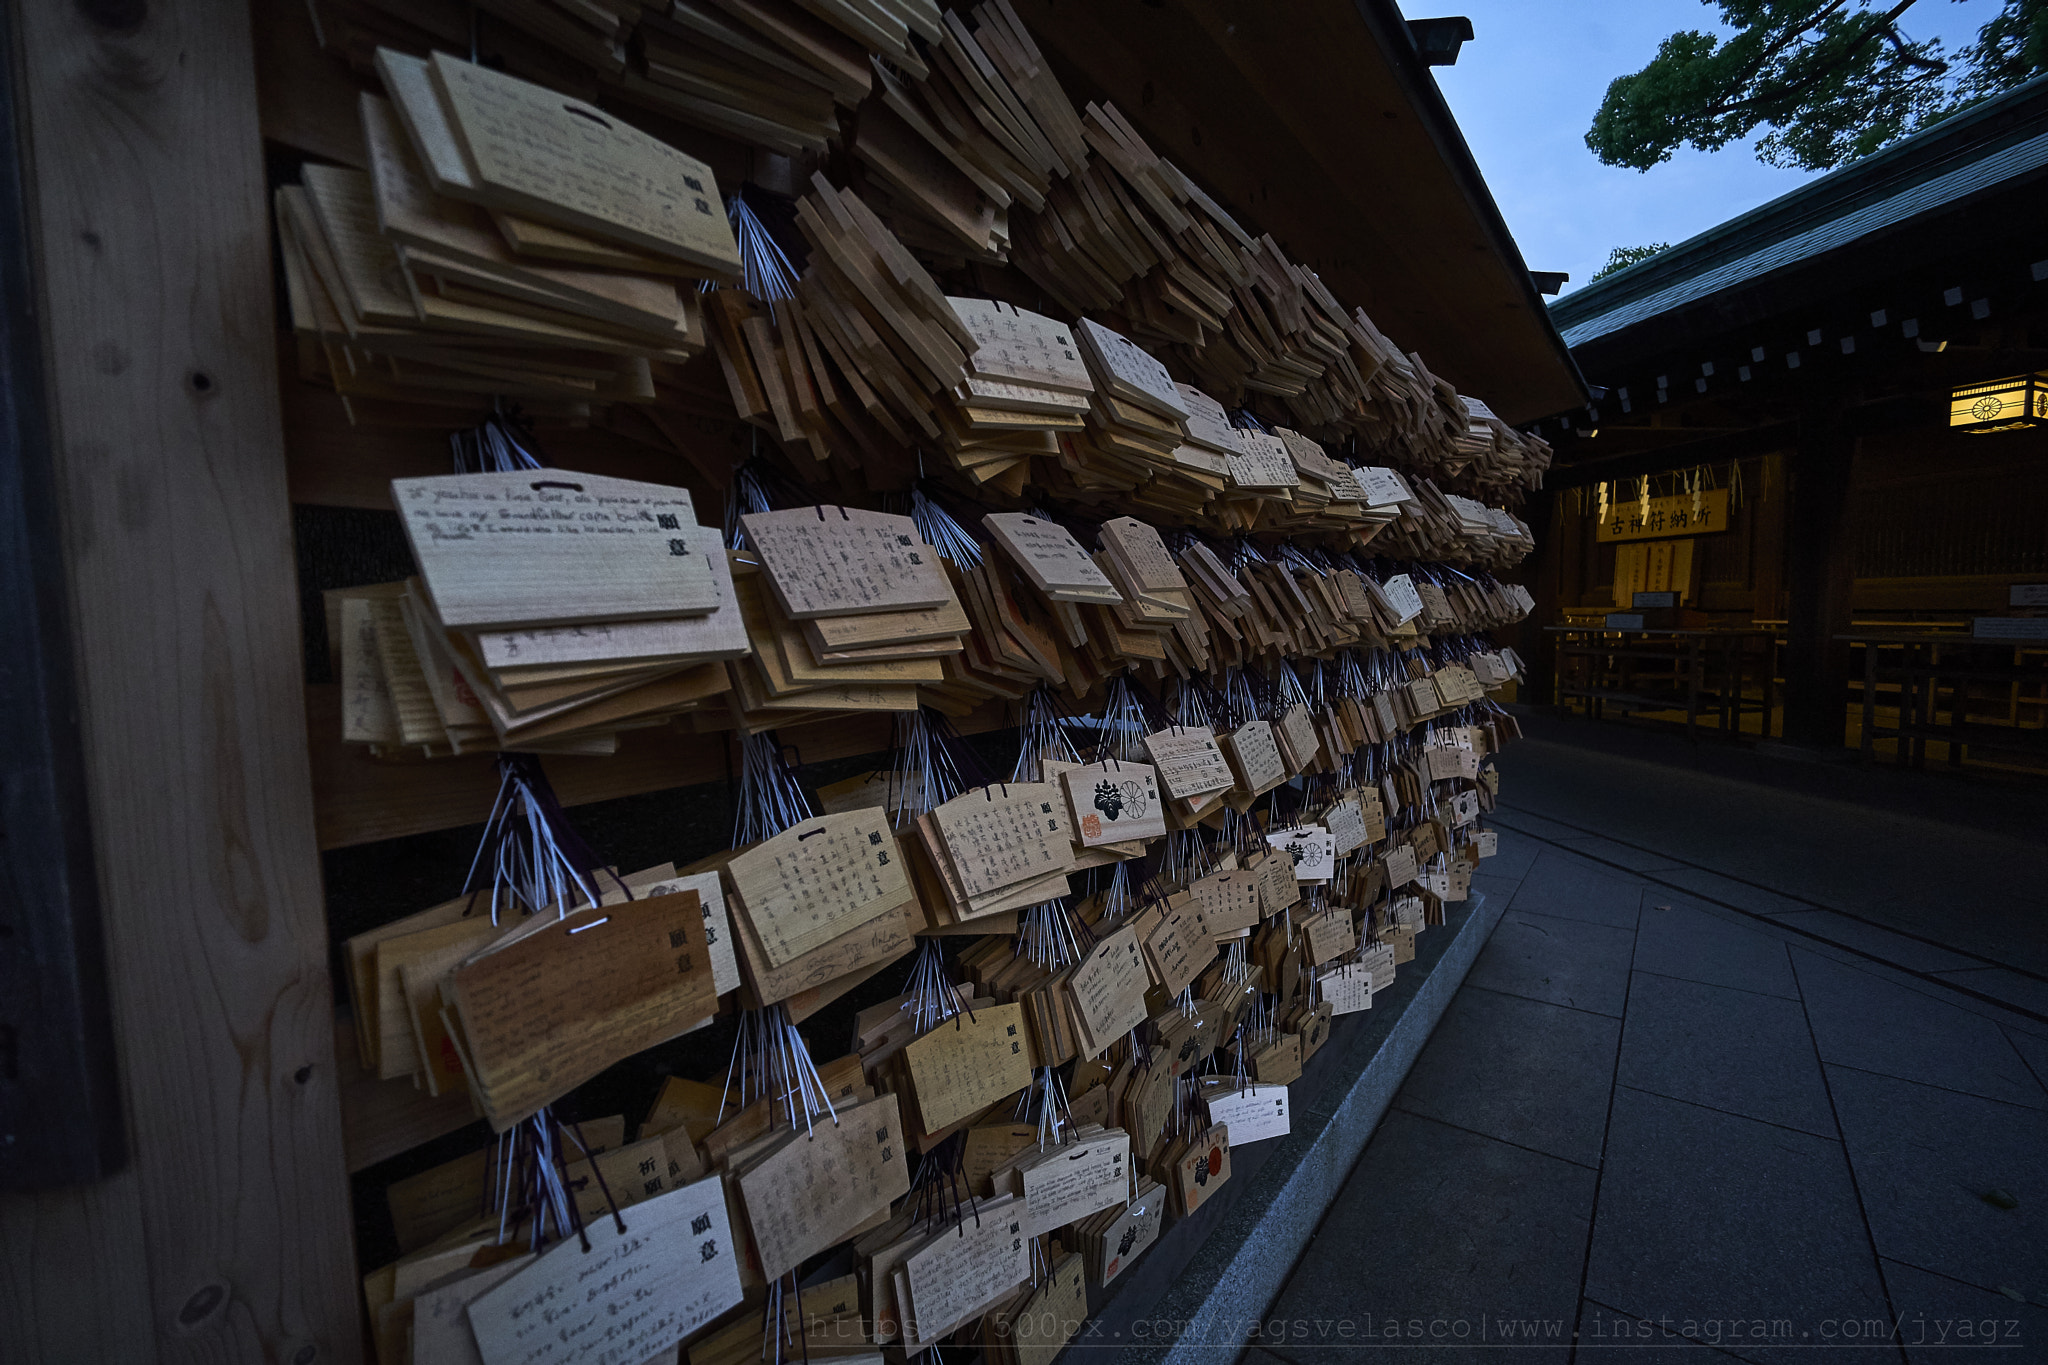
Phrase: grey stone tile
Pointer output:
(1881, 943)
(2000, 984)
(1749, 1054)
(1925, 1158)
(1519, 1070)
(1514, 854)
(1729, 891)
(2033, 1050)
(1863, 1020)
(1966, 909)
(1503, 887)
(1710, 1218)
(1572, 888)
(1622, 855)
(1437, 1225)
(1528, 822)
(1687, 940)
(1938, 1317)
(1610, 1338)
(1564, 961)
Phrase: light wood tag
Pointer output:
(1402, 598)
(1189, 763)
(1208, 424)
(1255, 758)
(1229, 901)
(1114, 802)
(821, 1185)
(990, 1147)
(1400, 863)
(1051, 557)
(552, 1008)
(818, 880)
(1052, 1315)
(1108, 988)
(564, 161)
(1177, 949)
(368, 715)
(1126, 369)
(959, 1271)
(1253, 1114)
(1264, 463)
(967, 1063)
(552, 547)
(843, 561)
(1022, 347)
(718, 634)
(1311, 847)
(1383, 487)
(1203, 1169)
(1296, 736)
(1140, 548)
(1346, 825)
(1131, 1235)
(631, 1296)
(1347, 989)
(1001, 835)
(725, 967)
(1278, 886)
(1330, 935)
(1071, 1181)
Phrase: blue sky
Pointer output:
(1524, 91)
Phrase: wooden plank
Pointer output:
(383, 1119)
(306, 98)
(360, 799)
(156, 293)
(331, 463)
(71, 1264)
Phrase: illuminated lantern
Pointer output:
(2000, 404)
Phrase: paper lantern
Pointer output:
(2000, 404)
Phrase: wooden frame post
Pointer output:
(1820, 575)
(228, 1236)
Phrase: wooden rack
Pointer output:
(1944, 687)
(1704, 673)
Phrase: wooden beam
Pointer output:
(229, 1237)
(1819, 573)
(361, 799)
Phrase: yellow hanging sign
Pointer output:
(1680, 514)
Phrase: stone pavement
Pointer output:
(1730, 1080)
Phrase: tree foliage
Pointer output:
(1622, 257)
(1828, 81)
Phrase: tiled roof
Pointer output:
(1998, 141)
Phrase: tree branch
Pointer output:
(1886, 27)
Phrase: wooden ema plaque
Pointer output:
(818, 880)
(1000, 835)
(967, 1063)
(820, 1185)
(1228, 901)
(551, 547)
(564, 161)
(1114, 802)
(1108, 989)
(1189, 763)
(556, 1006)
(842, 561)
(1023, 347)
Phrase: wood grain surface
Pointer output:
(229, 1237)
